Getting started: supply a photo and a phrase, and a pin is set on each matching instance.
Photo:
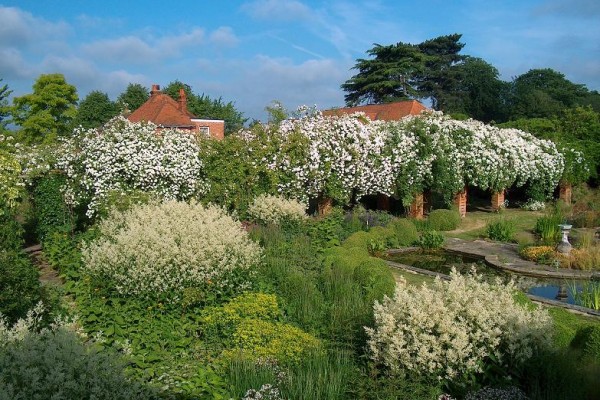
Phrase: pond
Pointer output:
(442, 261)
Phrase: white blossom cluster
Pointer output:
(123, 156)
(158, 249)
(454, 327)
(273, 209)
(349, 155)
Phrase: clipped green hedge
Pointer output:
(406, 231)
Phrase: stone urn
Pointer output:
(564, 247)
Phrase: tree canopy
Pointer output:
(95, 110)
(48, 112)
(203, 106)
(133, 97)
(4, 107)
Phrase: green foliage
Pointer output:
(443, 220)
(133, 97)
(406, 231)
(11, 182)
(202, 106)
(11, 233)
(431, 240)
(51, 212)
(220, 322)
(235, 178)
(565, 324)
(19, 285)
(4, 107)
(317, 376)
(547, 229)
(56, 365)
(47, 113)
(257, 339)
(502, 230)
(95, 110)
(375, 384)
(328, 231)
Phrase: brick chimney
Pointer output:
(155, 90)
(182, 100)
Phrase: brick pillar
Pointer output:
(565, 192)
(383, 202)
(324, 205)
(427, 201)
(460, 201)
(498, 200)
(416, 207)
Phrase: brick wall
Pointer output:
(216, 128)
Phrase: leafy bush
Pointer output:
(19, 284)
(587, 339)
(502, 230)
(11, 182)
(257, 339)
(362, 219)
(431, 240)
(406, 231)
(11, 233)
(52, 214)
(443, 220)
(55, 364)
(269, 209)
(158, 250)
(454, 329)
(361, 240)
(220, 322)
(381, 239)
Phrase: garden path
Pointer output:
(47, 274)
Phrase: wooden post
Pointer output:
(416, 207)
(498, 200)
(324, 205)
(460, 201)
(383, 202)
(565, 192)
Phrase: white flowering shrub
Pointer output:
(275, 209)
(158, 250)
(123, 156)
(453, 328)
(533, 205)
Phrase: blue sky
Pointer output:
(295, 51)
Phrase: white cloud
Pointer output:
(13, 66)
(16, 28)
(277, 10)
(224, 37)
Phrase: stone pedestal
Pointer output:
(565, 192)
(416, 207)
(498, 200)
(324, 205)
(460, 201)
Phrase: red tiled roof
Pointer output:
(386, 112)
(162, 110)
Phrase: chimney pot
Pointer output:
(155, 89)
(182, 100)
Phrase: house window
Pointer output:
(204, 130)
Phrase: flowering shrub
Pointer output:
(274, 209)
(539, 254)
(124, 156)
(10, 181)
(453, 328)
(534, 205)
(161, 249)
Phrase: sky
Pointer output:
(297, 52)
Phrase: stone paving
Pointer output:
(505, 256)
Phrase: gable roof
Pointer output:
(162, 110)
(386, 112)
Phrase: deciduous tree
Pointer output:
(48, 112)
(133, 97)
(95, 110)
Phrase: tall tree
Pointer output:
(388, 76)
(4, 107)
(479, 91)
(133, 97)
(441, 78)
(48, 112)
(203, 106)
(95, 110)
(543, 93)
